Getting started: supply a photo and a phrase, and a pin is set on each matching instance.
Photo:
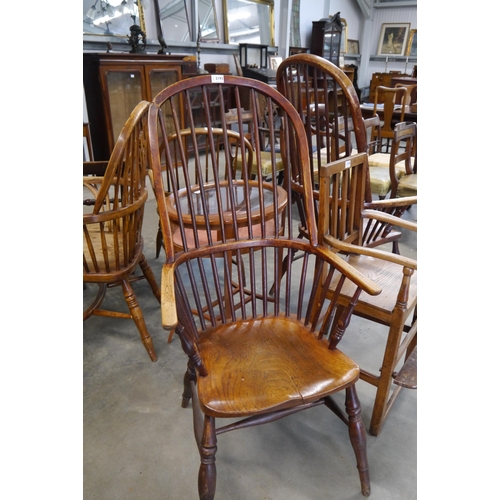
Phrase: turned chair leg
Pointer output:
(138, 318)
(150, 277)
(187, 395)
(357, 435)
(207, 475)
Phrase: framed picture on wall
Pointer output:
(343, 37)
(275, 61)
(393, 39)
(411, 50)
(353, 47)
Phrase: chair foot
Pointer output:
(357, 435)
(148, 344)
(138, 318)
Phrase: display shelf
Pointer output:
(401, 59)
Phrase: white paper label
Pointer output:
(217, 78)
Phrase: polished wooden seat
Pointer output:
(255, 344)
(341, 214)
(112, 239)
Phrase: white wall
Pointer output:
(371, 35)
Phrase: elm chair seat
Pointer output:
(407, 186)
(252, 353)
(380, 179)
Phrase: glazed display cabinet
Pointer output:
(115, 83)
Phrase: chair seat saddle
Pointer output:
(407, 186)
(266, 163)
(380, 179)
(262, 379)
(384, 159)
(388, 276)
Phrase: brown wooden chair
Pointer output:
(112, 240)
(319, 89)
(384, 177)
(411, 94)
(255, 352)
(390, 98)
(405, 185)
(341, 211)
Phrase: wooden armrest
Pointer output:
(370, 252)
(390, 219)
(168, 308)
(392, 202)
(353, 274)
(94, 167)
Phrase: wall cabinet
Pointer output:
(115, 83)
(325, 40)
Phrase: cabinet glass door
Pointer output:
(124, 89)
(160, 79)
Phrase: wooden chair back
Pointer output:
(388, 97)
(341, 191)
(186, 168)
(305, 80)
(411, 95)
(112, 231)
(328, 106)
(327, 103)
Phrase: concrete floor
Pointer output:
(139, 442)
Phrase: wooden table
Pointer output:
(367, 112)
